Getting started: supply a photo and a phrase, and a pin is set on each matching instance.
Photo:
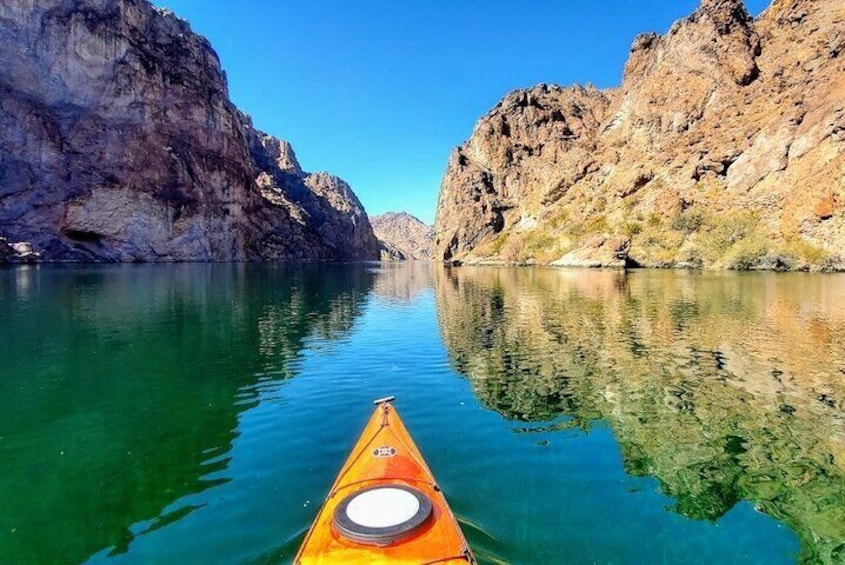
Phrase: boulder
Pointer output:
(598, 251)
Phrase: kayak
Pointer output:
(385, 506)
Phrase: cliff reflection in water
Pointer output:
(403, 282)
(725, 387)
(122, 387)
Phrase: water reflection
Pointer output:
(403, 282)
(121, 389)
(724, 387)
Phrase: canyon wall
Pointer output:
(403, 237)
(723, 147)
(118, 142)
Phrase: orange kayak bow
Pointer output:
(385, 506)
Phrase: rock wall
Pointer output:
(403, 237)
(724, 147)
(118, 142)
(332, 220)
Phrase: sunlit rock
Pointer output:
(722, 148)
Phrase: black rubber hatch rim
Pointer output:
(381, 536)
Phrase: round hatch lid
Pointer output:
(382, 514)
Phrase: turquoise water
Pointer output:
(199, 413)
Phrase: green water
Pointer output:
(199, 413)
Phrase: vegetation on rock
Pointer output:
(722, 148)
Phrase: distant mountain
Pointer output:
(118, 142)
(403, 237)
(724, 147)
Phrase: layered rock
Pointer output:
(723, 147)
(118, 142)
(403, 237)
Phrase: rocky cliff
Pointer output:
(724, 147)
(320, 204)
(403, 237)
(118, 142)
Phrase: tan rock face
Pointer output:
(724, 147)
(403, 237)
(118, 142)
(597, 251)
(506, 172)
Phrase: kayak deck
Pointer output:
(385, 479)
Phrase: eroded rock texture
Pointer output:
(118, 142)
(403, 237)
(723, 147)
(331, 218)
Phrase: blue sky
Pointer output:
(380, 91)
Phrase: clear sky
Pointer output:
(378, 92)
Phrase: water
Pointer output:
(199, 413)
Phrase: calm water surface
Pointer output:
(199, 413)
